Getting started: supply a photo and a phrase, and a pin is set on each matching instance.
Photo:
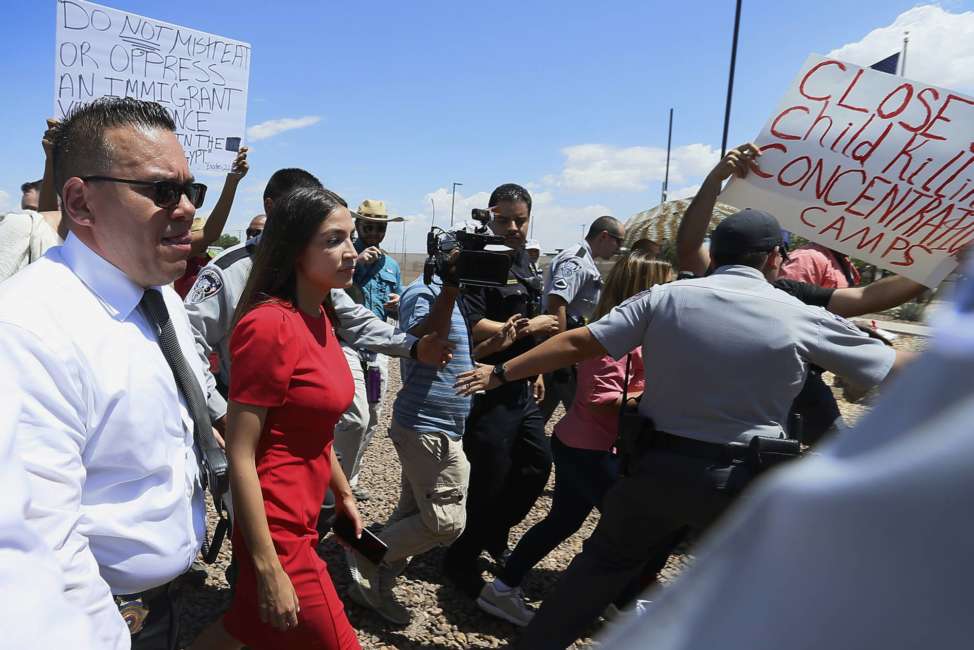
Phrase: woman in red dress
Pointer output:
(290, 384)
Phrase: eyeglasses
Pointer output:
(253, 232)
(165, 194)
(372, 227)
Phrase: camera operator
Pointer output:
(571, 293)
(427, 430)
(504, 440)
(718, 393)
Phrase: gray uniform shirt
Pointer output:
(574, 277)
(726, 355)
(213, 299)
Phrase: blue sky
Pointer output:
(399, 99)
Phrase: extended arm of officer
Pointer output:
(616, 334)
(358, 326)
(691, 254)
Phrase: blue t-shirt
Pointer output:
(428, 401)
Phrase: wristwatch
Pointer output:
(499, 372)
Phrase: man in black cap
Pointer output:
(815, 404)
(729, 353)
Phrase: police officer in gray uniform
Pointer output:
(729, 353)
(862, 507)
(572, 288)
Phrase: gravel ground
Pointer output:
(442, 616)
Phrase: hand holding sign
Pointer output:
(736, 162)
(240, 166)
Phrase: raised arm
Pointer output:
(690, 251)
(202, 239)
(47, 195)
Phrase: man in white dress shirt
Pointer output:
(104, 433)
(35, 613)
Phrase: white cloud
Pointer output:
(683, 192)
(270, 128)
(595, 167)
(940, 50)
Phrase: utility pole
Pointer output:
(669, 143)
(730, 79)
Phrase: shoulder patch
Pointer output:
(208, 284)
(567, 269)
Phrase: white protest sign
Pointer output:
(870, 164)
(201, 79)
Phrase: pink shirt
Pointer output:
(599, 383)
(817, 265)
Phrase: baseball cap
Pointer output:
(748, 231)
(532, 245)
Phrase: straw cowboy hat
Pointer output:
(375, 211)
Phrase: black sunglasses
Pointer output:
(253, 232)
(165, 194)
(372, 227)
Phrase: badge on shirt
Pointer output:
(208, 284)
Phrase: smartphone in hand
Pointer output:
(368, 545)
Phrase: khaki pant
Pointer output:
(356, 427)
(432, 505)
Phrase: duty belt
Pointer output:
(760, 453)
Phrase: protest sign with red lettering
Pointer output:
(870, 164)
(201, 79)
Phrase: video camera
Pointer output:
(475, 265)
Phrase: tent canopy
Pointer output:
(661, 222)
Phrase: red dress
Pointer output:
(292, 364)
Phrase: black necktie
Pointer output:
(211, 459)
(154, 307)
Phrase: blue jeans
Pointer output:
(582, 478)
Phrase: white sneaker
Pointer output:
(360, 575)
(380, 598)
(508, 605)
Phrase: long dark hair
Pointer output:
(292, 222)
